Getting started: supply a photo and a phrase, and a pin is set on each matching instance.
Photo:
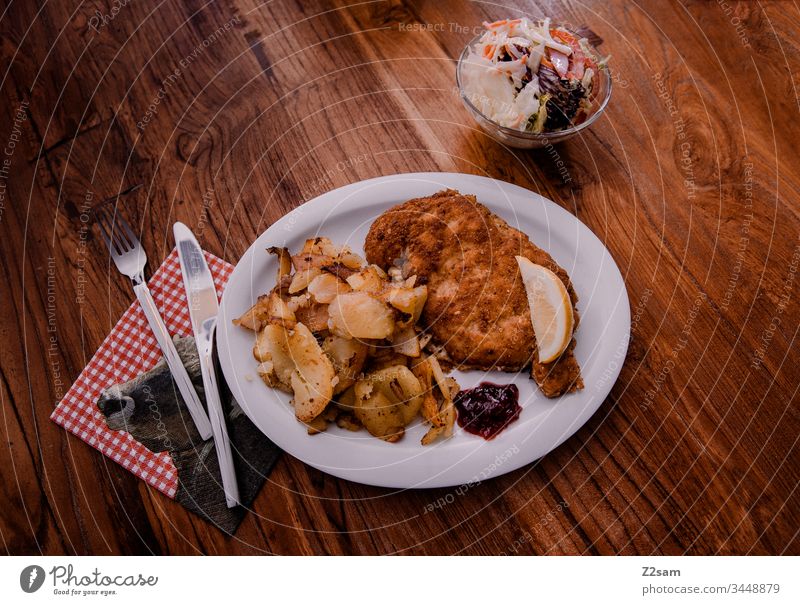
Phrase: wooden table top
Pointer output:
(690, 179)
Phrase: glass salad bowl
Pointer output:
(521, 139)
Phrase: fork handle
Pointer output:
(176, 367)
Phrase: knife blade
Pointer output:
(201, 296)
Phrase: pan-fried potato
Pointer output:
(325, 287)
(340, 336)
(301, 279)
(342, 254)
(272, 350)
(320, 423)
(432, 435)
(437, 406)
(255, 317)
(367, 280)
(379, 416)
(381, 356)
(346, 421)
(451, 408)
(321, 245)
(346, 400)
(309, 244)
(275, 310)
(331, 413)
(304, 262)
(312, 378)
(438, 376)
(430, 404)
(316, 426)
(446, 387)
(296, 302)
(284, 261)
(409, 301)
(359, 315)
(381, 363)
(268, 308)
(339, 270)
(314, 316)
(405, 342)
(387, 400)
(293, 361)
(348, 357)
(350, 260)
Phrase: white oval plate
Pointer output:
(345, 215)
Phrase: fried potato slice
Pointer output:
(369, 279)
(377, 414)
(304, 262)
(312, 378)
(430, 405)
(316, 250)
(387, 400)
(451, 408)
(255, 317)
(325, 287)
(448, 387)
(350, 260)
(268, 308)
(302, 278)
(314, 316)
(293, 361)
(437, 406)
(359, 315)
(321, 245)
(278, 309)
(310, 245)
(316, 426)
(346, 400)
(284, 261)
(405, 341)
(381, 357)
(432, 435)
(259, 314)
(348, 357)
(410, 301)
(296, 302)
(348, 422)
(272, 350)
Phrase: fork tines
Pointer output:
(125, 248)
(119, 240)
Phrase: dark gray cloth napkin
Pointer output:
(151, 409)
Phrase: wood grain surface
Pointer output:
(690, 178)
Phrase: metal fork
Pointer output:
(130, 259)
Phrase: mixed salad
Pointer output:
(530, 76)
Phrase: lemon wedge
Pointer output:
(551, 309)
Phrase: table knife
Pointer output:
(203, 306)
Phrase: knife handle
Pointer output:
(216, 415)
(173, 360)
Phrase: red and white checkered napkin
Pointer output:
(128, 351)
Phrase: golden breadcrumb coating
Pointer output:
(477, 307)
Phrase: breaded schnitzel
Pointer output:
(477, 308)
